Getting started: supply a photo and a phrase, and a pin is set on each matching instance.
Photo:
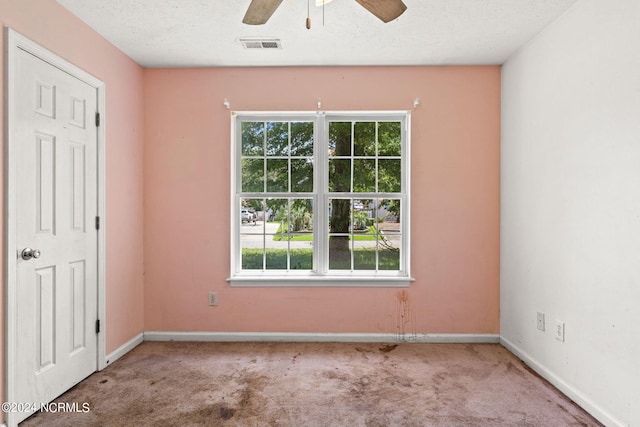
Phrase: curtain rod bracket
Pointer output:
(226, 104)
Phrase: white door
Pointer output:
(55, 143)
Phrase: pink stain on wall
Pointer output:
(455, 199)
(52, 26)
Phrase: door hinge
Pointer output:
(97, 118)
(97, 223)
(97, 326)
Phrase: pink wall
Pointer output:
(183, 133)
(455, 200)
(50, 25)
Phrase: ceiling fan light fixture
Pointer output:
(260, 11)
(385, 10)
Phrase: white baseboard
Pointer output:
(124, 349)
(318, 337)
(568, 390)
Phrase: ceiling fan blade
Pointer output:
(260, 11)
(386, 10)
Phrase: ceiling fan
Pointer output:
(260, 11)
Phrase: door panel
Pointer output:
(78, 202)
(45, 312)
(56, 194)
(45, 184)
(78, 288)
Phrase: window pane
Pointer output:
(364, 254)
(252, 253)
(277, 138)
(389, 254)
(276, 258)
(389, 175)
(364, 139)
(364, 214)
(301, 175)
(302, 139)
(340, 216)
(302, 255)
(364, 234)
(389, 215)
(252, 138)
(340, 139)
(289, 242)
(276, 240)
(340, 175)
(364, 175)
(339, 253)
(301, 216)
(389, 235)
(251, 214)
(252, 175)
(389, 139)
(278, 213)
(277, 175)
(365, 237)
(339, 244)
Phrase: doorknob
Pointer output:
(28, 253)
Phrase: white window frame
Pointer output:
(321, 275)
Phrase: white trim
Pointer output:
(568, 390)
(13, 42)
(9, 221)
(406, 185)
(17, 40)
(325, 281)
(102, 232)
(319, 337)
(124, 349)
(320, 275)
(234, 230)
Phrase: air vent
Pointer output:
(261, 43)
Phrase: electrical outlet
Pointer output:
(559, 330)
(540, 321)
(213, 298)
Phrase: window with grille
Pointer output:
(320, 198)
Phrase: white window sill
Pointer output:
(321, 281)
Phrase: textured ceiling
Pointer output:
(198, 33)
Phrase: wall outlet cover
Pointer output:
(559, 330)
(540, 321)
(213, 298)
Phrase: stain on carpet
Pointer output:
(388, 348)
(319, 384)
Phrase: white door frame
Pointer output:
(13, 43)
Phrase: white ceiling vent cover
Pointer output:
(261, 43)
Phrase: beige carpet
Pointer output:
(315, 384)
